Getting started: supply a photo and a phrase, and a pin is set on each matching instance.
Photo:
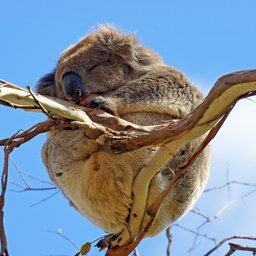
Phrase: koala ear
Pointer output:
(140, 58)
(46, 85)
(147, 58)
(110, 39)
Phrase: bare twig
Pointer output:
(19, 172)
(237, 247)
(227, 184)
(25, 186)
(4, 248)
(60, 233)
(15, 141)
(44, 110)
(209, 219)
(135, 252)
(25, 189)
(45, 199)
(227, 239)
(169, 237)
(212, 239)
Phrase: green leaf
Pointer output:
(85, 248)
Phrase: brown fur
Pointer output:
(131, 81)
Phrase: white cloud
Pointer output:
(234, 147)
(236, 141)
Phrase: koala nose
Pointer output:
(73, 87)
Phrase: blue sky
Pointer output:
(204, 39)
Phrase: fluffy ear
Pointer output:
(127, 47)
(46, 85)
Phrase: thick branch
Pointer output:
(224, 94)
(226, 91)
(120, 136)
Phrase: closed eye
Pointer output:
(96, 65)
(92, 68)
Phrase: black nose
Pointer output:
(73, 87)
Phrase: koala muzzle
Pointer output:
(73, 87)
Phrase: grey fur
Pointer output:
(133, 82)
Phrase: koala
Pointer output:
(110, 70)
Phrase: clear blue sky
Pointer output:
(204, 39)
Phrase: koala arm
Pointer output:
(164, 90)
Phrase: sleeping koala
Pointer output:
(110, 70)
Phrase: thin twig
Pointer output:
(26, 187)
(228, 184)
(228, 180)
(169, 237)
(44, 110)
(4, 247)
(208, 219)
(237, 247)
(136, 252)
(60, 233)
(195, 232)
(15, 141)
(45, 199)
(227, 239)
(19, 172)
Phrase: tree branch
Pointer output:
(119, 136)
(227, 239)
(237, 247)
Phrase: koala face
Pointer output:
(89, 70)
(100, 62)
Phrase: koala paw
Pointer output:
(100, 102)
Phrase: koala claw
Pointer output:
(101, 103)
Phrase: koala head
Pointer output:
(101, 61)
